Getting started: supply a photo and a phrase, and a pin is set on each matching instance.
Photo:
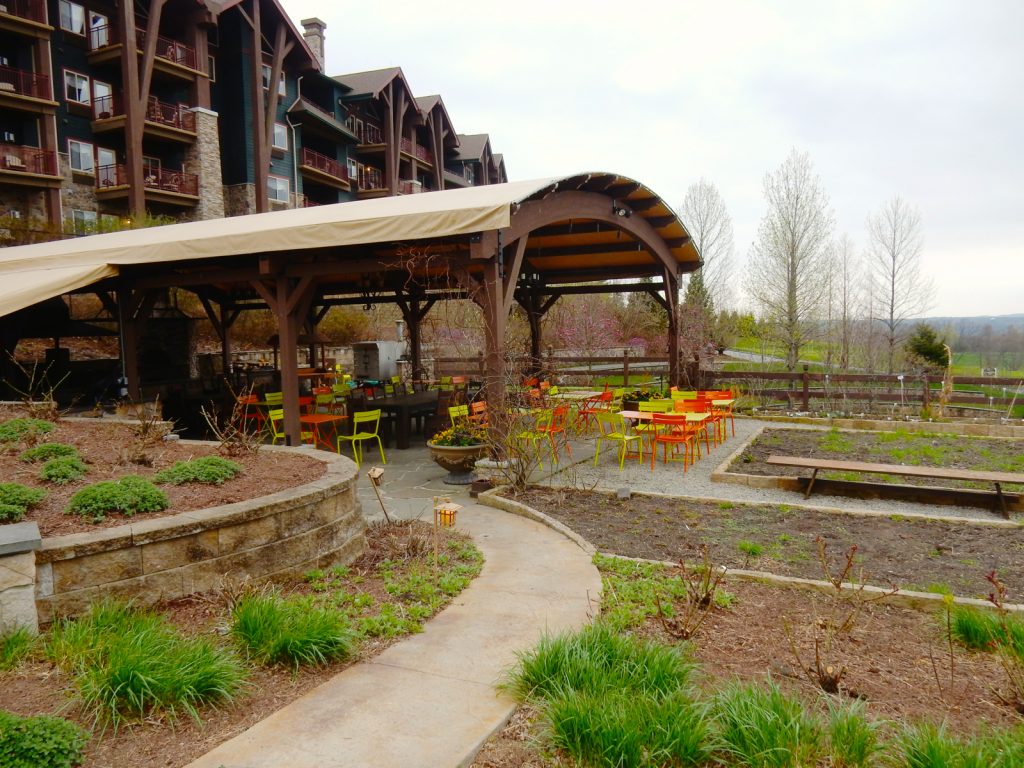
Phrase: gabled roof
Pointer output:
(432, 102)
(370, 83)
(499, 165)
(218, 7)
(472, 146)
(303, 106)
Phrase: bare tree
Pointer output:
(844, 299)
(894, 261)
(707, 220)
(788, 262)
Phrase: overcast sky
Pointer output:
(920, 99)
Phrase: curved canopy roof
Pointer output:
(577, 238)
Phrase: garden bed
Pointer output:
(921, 555)
(114, 449)
(385, 594)
(893, 447)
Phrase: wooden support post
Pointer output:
(672, 310)
(926, 392)
(625, 367)
(806, 385)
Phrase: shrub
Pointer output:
(852, 738)
(63, 470)
(14, 647)
(129, 495)
(31, 742)
(293, 632)
(132, 663)
(15, 500)
(13, 430)
(208, 469)
(761, 727)
(47, 451)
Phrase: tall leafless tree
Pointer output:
(707, 220)
(894, 262)
(844, 300)
(788, 261)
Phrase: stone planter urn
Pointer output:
(458, 460)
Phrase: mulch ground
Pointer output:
(114, 449)
(911, 554)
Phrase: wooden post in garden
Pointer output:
(807, 394)
(625, 367)
(926, 392)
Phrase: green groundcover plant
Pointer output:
(47, 451)
(63, 470)
(13, 430)
(16, 499)
(212, 470)
(130, 495)
(34, 742)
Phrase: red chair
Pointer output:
(556, 426)
(590, 407)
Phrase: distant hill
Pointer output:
(998, 323)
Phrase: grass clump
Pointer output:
(293, 632)
(14, 430)
(932, 746)
(16, 499)
(63, 470)
(749, 548)
(47, 451)
(15, 646)
(761, 727)
(852, 738)
(31, 742)
(127, 662)
(211, 470)
(129, 495)
(986, 631)
(835, 441)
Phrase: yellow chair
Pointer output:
(358, 437)
(458, 413)
(274, 398)
(613, 427)
(275, 418)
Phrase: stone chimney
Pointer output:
(313, 31)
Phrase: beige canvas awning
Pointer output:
(25, 287)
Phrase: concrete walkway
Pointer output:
(431, 700)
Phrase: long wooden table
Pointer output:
(403, 408)
(943, 473)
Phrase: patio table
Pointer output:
(580, 396)
(319, 420)
(403, 408)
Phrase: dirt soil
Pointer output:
(37, 687)
(912, 554)
(888, 659)
(112, 449)
(897, 447)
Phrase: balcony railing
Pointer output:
(172, 115)
(154, 178)
(417, 150)
(370, 134)
(26, 83)
(410, 187)
(324, 164)
(166, 48)
(33, 10)
(307, 203)
(370, 179)
(28, 159)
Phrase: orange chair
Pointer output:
(672, 429)
(698, 406)
(478, 412)
(591, 407)
(251, 411)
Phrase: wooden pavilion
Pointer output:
(527, 242)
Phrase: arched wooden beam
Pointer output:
(590, 206)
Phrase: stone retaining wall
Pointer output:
(972, 429)
(310, 526)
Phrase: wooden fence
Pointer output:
(800, 389)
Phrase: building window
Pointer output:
(353, 169)
(277, 189)
(280, 136)
(282, 86)
(72, 17)
(83, 222)
(211, 68)
(80, 153)
(76, 87)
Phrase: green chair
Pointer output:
(358, 436)
(274, 398)
(613, 427)
(647, 428)
(275, 418)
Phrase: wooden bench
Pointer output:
(943, 473)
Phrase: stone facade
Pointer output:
(239, 199)
(203, 159)
(313, 526)
(17, 576)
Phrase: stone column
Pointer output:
(203, 159)
(18, 543)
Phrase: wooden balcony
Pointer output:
(371, 182)
(28, 166)
(174, 122)
(172, 57)
(26, 91)
(421, 153)
(323, 170)
(26, 17)
(370, 136)
(162, 186)
(410, 187)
